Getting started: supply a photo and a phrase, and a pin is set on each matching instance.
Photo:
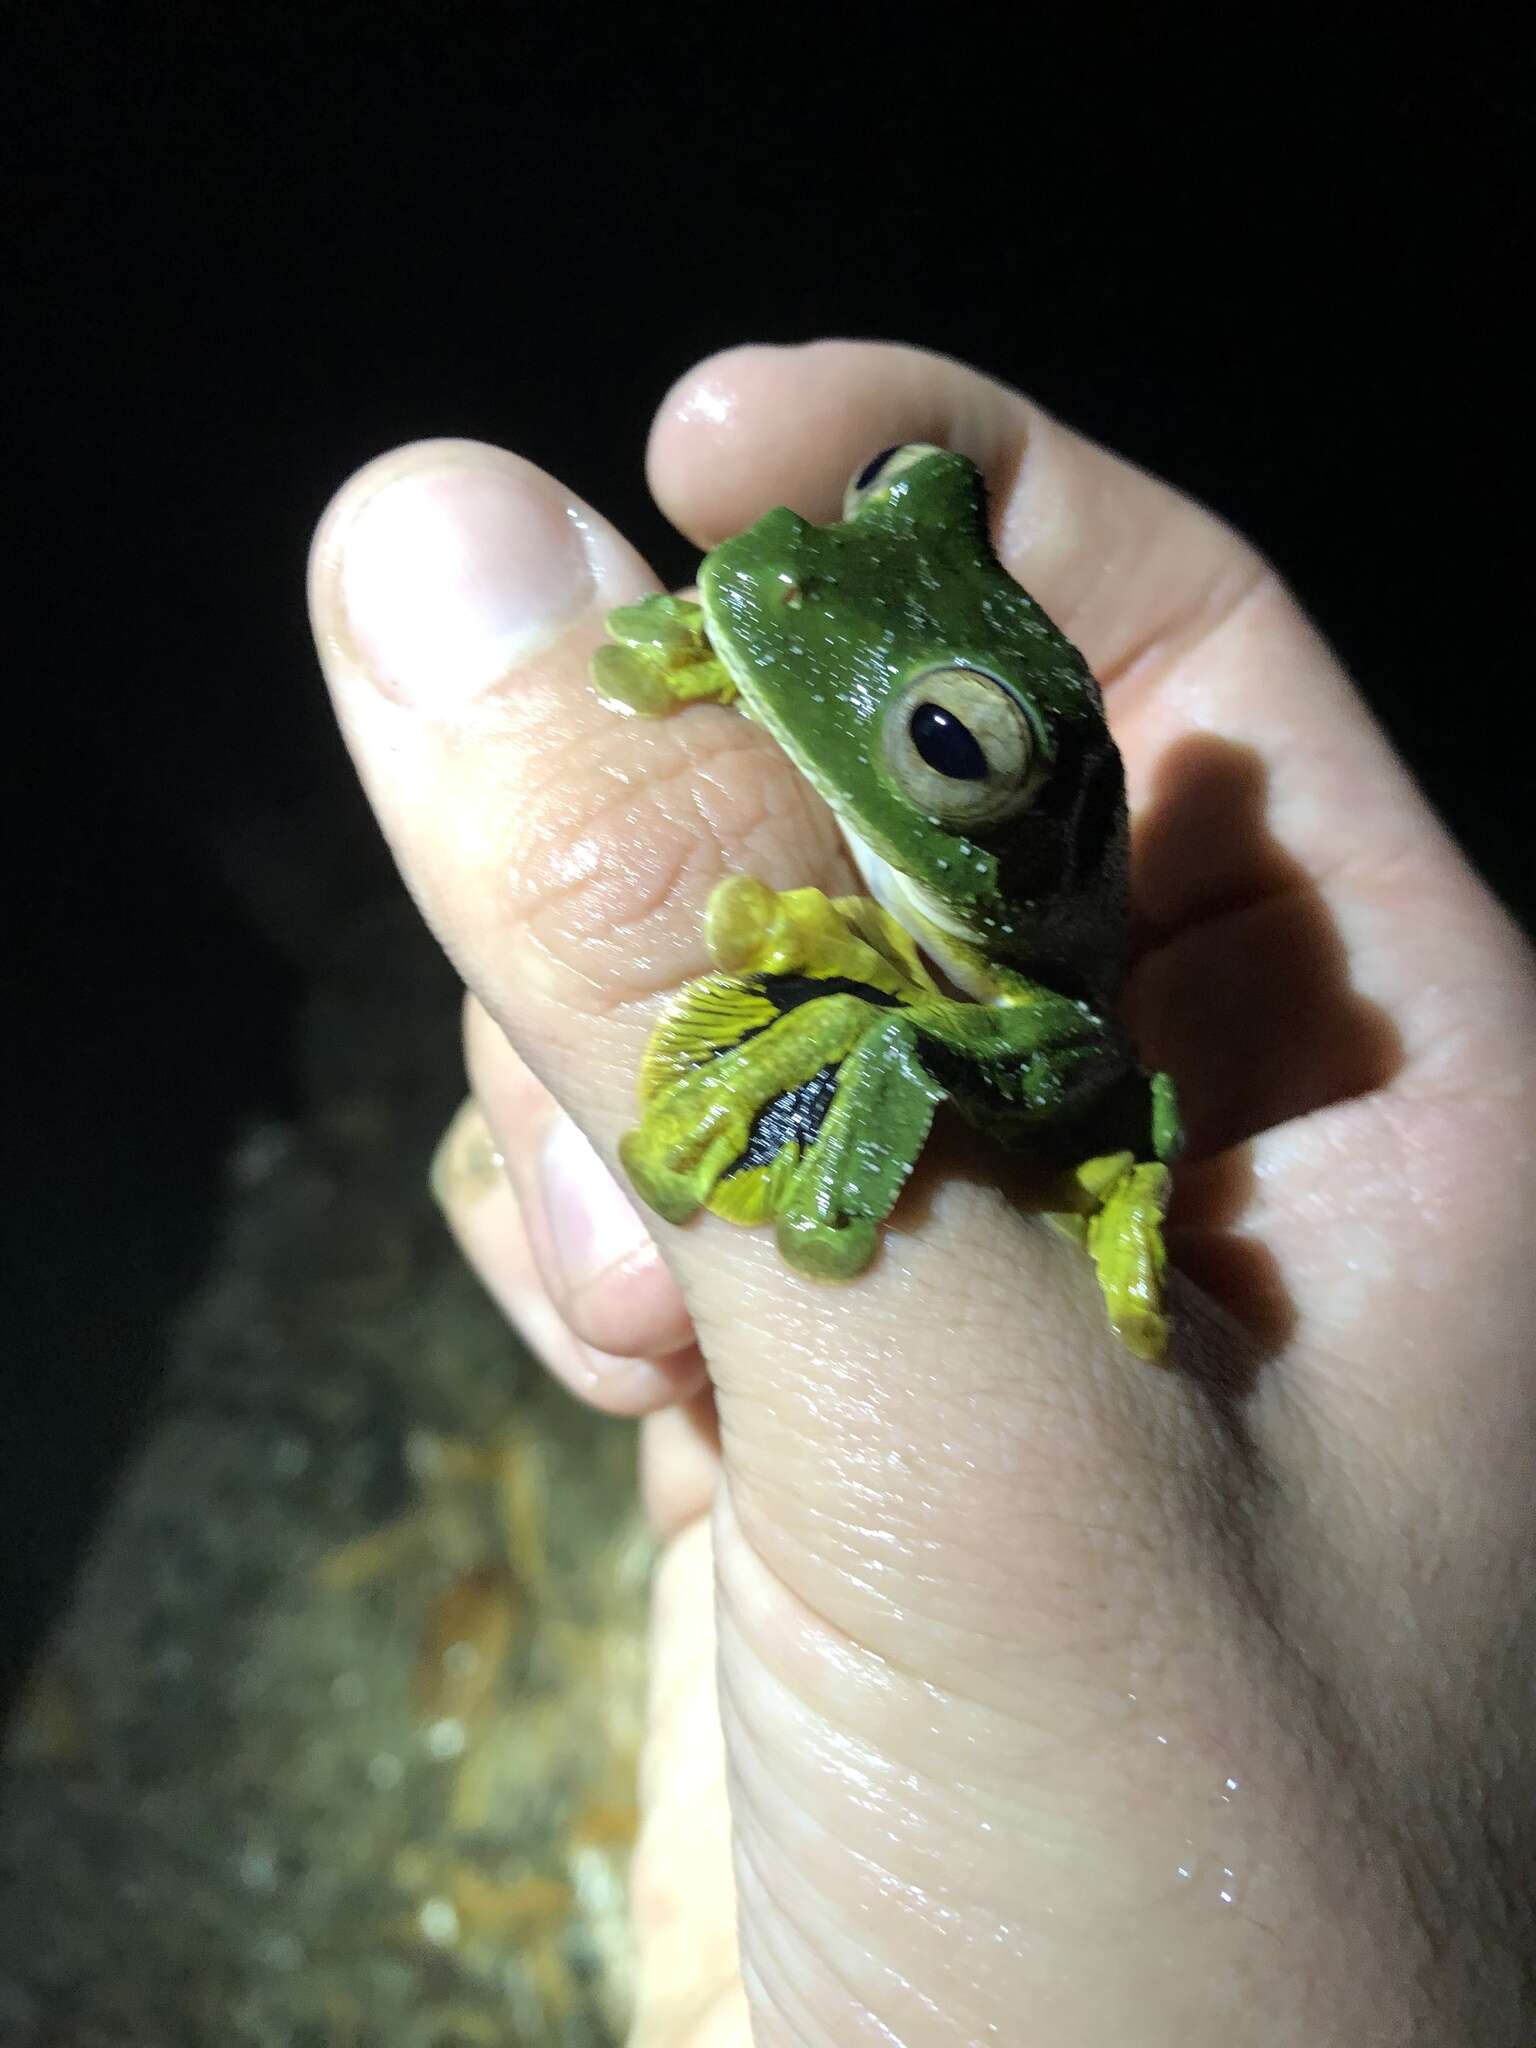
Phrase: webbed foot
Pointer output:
(657, 657)
(788, 1087)
(1121, 1227)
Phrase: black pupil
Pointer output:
(873, 467)
(948, 747)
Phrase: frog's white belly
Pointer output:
(920, 914)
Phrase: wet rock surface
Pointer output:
(333, 1745)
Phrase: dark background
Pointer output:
(251, 247)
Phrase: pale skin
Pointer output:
(1065, 1700)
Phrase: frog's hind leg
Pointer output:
(792, 1092)
(1119, 1221)
(724, 1059)
(657, 657)
(848, 1181)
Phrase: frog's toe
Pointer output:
(625, 679)
(1126, 1240)
(741, 921)
(1143, 1331)
(826, 1251)
(673, 1195)
(1167, 1125)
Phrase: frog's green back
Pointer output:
(831, 633)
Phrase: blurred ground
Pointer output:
(333, 1745)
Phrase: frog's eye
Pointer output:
(881, 471)
(962, 747)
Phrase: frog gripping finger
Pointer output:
(873, 1130)
(960, 741)
(659, 657)
(787, 1087)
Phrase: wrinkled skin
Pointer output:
(1062, 1701)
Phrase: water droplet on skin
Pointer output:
(1227, 1891)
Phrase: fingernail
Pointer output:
(466, 1164)
(592, 1223)
(454, 572)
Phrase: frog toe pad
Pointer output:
(1125, 1239)
(825, 1251)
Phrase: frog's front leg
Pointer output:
(1113, 1206)
(752, 929)
(658, 656)
(1039, 1046)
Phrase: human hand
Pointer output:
(1064, 1698)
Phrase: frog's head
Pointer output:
(958, 737)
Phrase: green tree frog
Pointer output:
(960, 741)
